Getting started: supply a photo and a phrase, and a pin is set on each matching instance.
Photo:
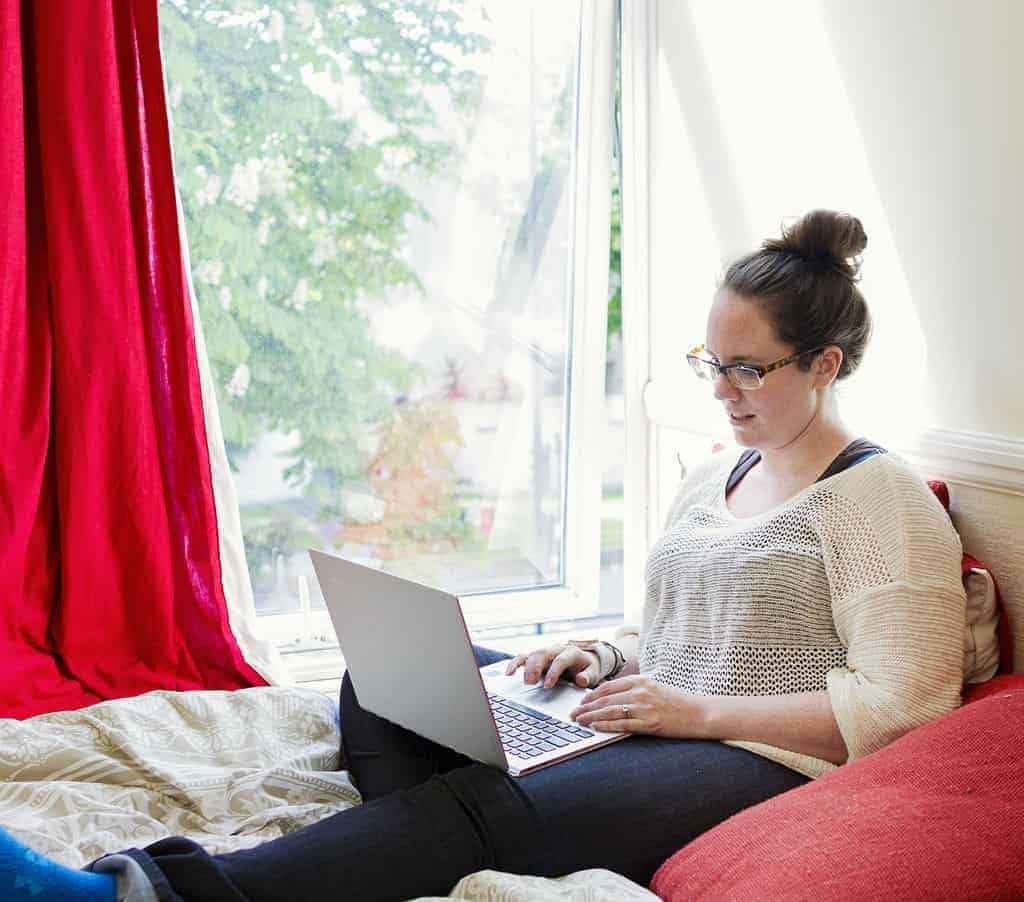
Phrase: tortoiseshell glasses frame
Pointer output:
(745, 376)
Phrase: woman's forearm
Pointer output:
(800, 722)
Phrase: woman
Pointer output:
(804, 607)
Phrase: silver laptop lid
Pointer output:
(409, 656)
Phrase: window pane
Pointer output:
(377, 201)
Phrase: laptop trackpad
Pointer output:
(557, 701)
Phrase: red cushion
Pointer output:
(936, 815)
(941, 491)
(1000, 685)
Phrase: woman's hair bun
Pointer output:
(805, 281)
(824, 237)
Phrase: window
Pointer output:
(398, 221)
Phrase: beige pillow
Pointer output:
(981, 639)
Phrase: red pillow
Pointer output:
(936, 815)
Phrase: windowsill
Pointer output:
(322, 668)
(514, 612)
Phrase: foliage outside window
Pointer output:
(376, 201)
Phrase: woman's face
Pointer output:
(775, 414)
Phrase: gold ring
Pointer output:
(626, 713)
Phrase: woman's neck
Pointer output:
(813, 449)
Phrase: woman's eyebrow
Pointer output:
(735, 358)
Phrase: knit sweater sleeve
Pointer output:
(893, 563)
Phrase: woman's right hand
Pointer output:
(575, 664)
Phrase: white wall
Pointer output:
(906, 113)
(937, 88)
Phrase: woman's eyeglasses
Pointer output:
(745, 376)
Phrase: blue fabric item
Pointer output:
(431, 816)
(25, 874)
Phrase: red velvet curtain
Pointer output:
(110, 580)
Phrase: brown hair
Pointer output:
(806, 282)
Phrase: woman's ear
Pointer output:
(826, 366)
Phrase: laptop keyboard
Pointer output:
(527, 733)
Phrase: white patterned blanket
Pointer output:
(227, 769)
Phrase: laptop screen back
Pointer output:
(409, 656)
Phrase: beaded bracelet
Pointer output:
(620, 661)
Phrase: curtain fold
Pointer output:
(110, 576)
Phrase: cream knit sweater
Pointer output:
(853, 585)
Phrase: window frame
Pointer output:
(639, 52)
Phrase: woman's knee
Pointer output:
(485, 656)
(348, 707)
(500, 815)
(346, 694)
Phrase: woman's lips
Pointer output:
(740, 418)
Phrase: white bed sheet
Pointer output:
(229, 770)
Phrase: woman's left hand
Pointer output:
(637, 704)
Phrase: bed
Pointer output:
(228, 769)
(234, 769)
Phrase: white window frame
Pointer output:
(639, 68)
(578, 595)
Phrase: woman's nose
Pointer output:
(724, 390)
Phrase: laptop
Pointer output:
(411, 661)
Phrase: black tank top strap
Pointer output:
(859, 449)
(747, 460)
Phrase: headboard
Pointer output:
(985, 475)
(990, 521)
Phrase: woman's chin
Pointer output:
(743, 431)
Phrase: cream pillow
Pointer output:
(981, 638)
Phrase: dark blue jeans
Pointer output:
(431, 816)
